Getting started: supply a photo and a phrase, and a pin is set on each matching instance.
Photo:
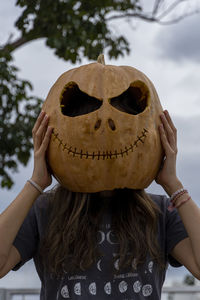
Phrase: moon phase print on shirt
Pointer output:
(93, 288)
(77, 288)
(98, 282)
(109, 237)
(116, 264)
(99, 265)
(150, 266)
(137, 286)
(64, 292)
(107, 288)
(123, 286)
(147, 290)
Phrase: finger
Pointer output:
(167, 115)
(164, 140)
(169, 132)
(38, 122)
(39, 135)
(46, 140)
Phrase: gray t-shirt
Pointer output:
(99, 282)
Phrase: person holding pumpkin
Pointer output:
(94, 236)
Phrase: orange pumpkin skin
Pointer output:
(85, 157)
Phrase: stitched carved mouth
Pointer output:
(100, 154)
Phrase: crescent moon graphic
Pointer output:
(77, 288)
(116, 264)
(102, 237)
(107, 288)
(98, 265)
(150, 266)
(108, 237)
(65, 292)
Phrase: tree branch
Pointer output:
(135, 15)
(16, 44)
(11, 46)
(176, 20)
(154, 17)
(170, 8)
(156, 7)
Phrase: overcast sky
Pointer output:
(168, 55)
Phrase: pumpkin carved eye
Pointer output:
(132, 101)
(74, 102)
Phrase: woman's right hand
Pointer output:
(41, 137)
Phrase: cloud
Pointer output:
(9, 14)
(188, 134)
(180, 42)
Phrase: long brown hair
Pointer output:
(70, 242)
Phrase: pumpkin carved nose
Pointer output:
(97, 125)
(110, 123)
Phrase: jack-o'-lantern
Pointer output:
(105, 135)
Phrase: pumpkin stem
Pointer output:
(101, 59)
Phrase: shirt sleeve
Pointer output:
(175, 232)
(27, 237)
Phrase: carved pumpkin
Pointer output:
(97, 144)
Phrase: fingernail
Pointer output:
(50, 130)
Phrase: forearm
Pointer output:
(12, 218)
(190, 215)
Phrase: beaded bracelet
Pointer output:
(35, 185)
(182, 202)
(176, 193)
(175, 196)
(178, 196)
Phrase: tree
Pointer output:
(74, 29)
(189, 279)
(18, 111)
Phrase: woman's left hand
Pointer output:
(167, 177)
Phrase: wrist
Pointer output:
(173, 186)
(36, 184)
(32, 189)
